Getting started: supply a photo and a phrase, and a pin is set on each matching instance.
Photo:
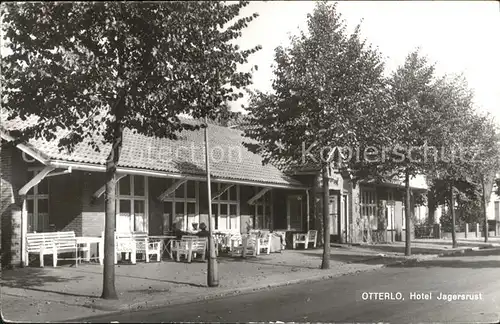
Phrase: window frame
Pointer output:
(131, 198)
(33, 195)
(218, 202)
(173, 199)
(368, 206)
(266, 202)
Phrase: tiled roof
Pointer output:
(229, 159)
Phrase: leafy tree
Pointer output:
(454, 106)
(97, 68)
(326, 83)
(483, 134)
(406, 119)
(473, 146)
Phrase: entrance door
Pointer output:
(294, 213)
(344, 226)
(334, 216)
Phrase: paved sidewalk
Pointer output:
(66, 292)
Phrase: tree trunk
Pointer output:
(453, 220)
(408, 214)
(108, 288)
(212, 270)
(484, 210)
(326, 219)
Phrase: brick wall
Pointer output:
(13, 177)
(65, 204)
(93, 212)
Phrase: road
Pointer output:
(341, 299)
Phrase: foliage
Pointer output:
(94, 69)
(72, 62)
(468, 212)
(326, 84)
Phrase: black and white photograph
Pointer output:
(250, 161)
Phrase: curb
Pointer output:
(221, 294)
(243, 290)
(102, 305)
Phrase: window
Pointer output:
(369, 207)
(263, 210)
(225, 208)
(131, 214)
(181, 207)
(37, 204)
(497, 210)
(390, 210)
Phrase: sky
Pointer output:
(459, 36)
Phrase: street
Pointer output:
(474, 274)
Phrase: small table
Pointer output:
(167, 242)
(84, 242)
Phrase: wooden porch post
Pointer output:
(308, 209)
(24, 231)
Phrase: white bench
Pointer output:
(51, 243)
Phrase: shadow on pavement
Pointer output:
(35, 279)
(260, 260)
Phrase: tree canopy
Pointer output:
(325, 85)
(72, 62)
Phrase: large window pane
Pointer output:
(191, 190)
(124, 185)
(43, 205)
(139, 186)
(223, 209)
(30, 206)
(140, 220)
(233, 223)
(232, 210)
(179, 208)
(167, 216)
(224, 196)
(43, 187)
(180, 191)
(123, 218)
(232, 193)
(214, 209)
(191, 214)
(214, 187)
(125, 206)
(179, 216)
(260, 210)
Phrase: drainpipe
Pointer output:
(307, 212)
